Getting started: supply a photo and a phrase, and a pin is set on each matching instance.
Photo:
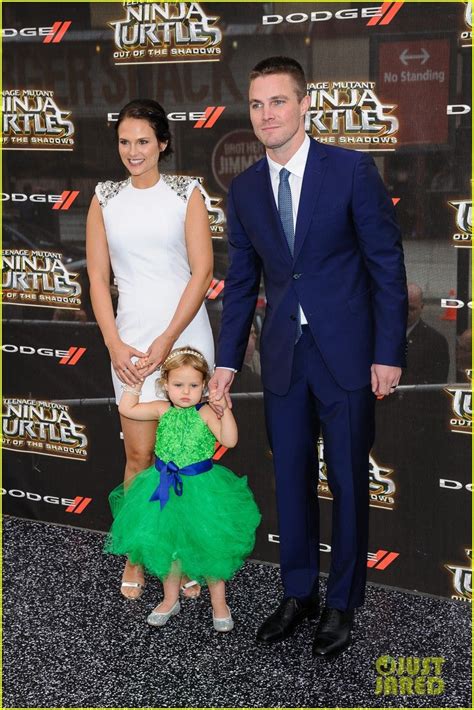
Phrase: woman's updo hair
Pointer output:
(151, 111)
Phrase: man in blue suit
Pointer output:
(317, 221)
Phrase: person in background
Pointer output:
(428, 351)
(463, 354)
(248, 379)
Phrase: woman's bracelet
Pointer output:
(132, 390)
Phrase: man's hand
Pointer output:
(219, 387)
(384, 379)
(220, 404)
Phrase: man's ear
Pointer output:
(305, 104)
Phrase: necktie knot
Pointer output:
(284, 175)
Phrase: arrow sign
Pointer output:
(416, 73)
(405, 57)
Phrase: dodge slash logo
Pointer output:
(382, 15)
(66, 357)
(75, 505)
(52, 35)
(201, 119)
(59, 202)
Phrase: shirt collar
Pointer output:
(412, 327)
(296, 163)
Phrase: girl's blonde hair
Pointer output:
(181, 357)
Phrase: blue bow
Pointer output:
(170, 476)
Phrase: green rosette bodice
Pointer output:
(183, 437)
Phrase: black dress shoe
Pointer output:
(286, 618)
(333, 633)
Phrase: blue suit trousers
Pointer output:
(316, 403)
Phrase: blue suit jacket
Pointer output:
(347, 271)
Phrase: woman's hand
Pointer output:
(157, 353)
(120, 355)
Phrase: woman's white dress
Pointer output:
(146, 240)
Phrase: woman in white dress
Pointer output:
(153, 231)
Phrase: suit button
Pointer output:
(292, 317)
(296, 276)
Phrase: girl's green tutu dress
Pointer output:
(204, 533)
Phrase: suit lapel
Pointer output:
(312, 181)
(269, 207)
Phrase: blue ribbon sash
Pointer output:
(170, 476)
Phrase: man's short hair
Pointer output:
(282, 65)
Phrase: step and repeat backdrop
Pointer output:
(393, 79)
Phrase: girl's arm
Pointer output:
(225, 428)
(148, 411)
(98, 269)
(200, 257)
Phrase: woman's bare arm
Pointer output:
(98, 269)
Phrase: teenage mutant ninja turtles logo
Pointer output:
(153, 32)
(38, 278)
(217, 221)
(31, 119)
(462, 580)
(462, 238)
(461, 419)
(382, 488)
(349, 113)
(42, 427)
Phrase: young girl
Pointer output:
(185, 515)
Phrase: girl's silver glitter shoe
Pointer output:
(226, 624)
(158, 618)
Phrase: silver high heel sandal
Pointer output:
(159, 618)
(225, 624)
(132, 585)
(189, 586)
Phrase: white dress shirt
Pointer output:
(296, 167)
